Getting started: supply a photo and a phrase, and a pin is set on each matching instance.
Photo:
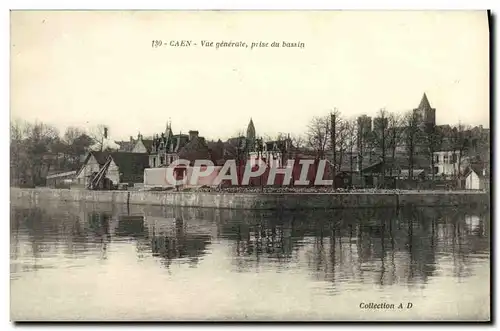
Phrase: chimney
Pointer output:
(192, 134)
(105, 133)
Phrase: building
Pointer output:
(476, 178)
(142, 145)
(449, 163)
(251, 135)
(112, 169)
(165, 147)
(126, 146)
(425, 114)
(61, 180)
(195, 149)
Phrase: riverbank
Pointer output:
(260, 201)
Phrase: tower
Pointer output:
(251, 135)
(426, 115)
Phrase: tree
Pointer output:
(40, 141)
(351, 142)
(342, 142)
(394, 137)
(18, 166)
(335, 127)
(432, 141)
(380, 137)
(99, 134)
(317, 134)
(363, 141)
(298, 141)
(411, 137)
(235, 148)
(460, 141)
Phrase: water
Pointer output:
(103, 262)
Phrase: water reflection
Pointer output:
(382, 247)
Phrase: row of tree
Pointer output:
(37, 149)
(392, 136)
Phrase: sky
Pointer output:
(90, 68)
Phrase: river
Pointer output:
(100, 262)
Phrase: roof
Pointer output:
(62, 174)
(424, 103)
(148, 143)
(477, 168)
(131, 165)
(196, 149)
(100, 157)
(216, 150)
(126, 146)
(400, 163)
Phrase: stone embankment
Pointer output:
(260, 200)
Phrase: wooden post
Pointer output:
(333, 142)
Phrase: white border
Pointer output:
(187, 4)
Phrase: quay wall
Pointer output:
(262, 201)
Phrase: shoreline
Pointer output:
(260, 200)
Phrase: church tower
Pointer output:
(251, 135)
(426, 115)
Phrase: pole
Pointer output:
(333, 141)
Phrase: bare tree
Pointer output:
(235, 148)
(99, 134)
(363, 142)
(411, 138)
(432, 140)
(351, 142)
(40, 141)
(380, 137)
(317, 134)
(460, 139)
(18, 166)
(335, 127)
(298, 141)
(343, 143)
(394, 137)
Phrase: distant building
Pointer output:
(142, 145)
(166, 147)
(425, 114)
(126, 146)
(116, 168)
(476, 178)
(448, 163)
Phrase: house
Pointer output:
(195, 149)
(115, 168)
(449, 163)
(142, 145)
(395, 171)
(165, 148)
(476, 178)
(126, 146)
(273, 153)
(92, 163)
(60, 180)
(216, 150)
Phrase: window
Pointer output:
(436, 170)
(445, 159)
(162, 160)
(454, 158)
(154, 162)
(436, 158)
